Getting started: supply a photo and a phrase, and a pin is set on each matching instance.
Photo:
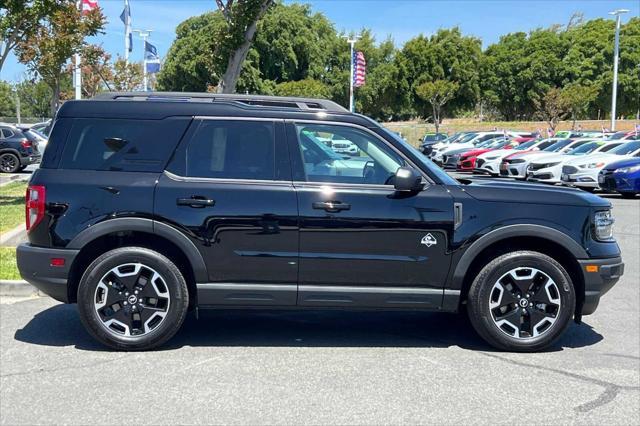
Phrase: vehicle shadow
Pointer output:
(60, 326)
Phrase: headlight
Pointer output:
(627, 169)
(591, 165)
(603, 225)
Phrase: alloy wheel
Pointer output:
(131, 299)
(524, 303)
(8, 163)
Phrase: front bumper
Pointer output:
(514, 170)
(586, 179)
(34, 264)
(606, 272)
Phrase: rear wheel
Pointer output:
(132, 298)
(521, 301)
(9, 163)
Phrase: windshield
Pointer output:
(525, 145)
(626, 148)
(618, 135)
(424, 162)
(585, 148)
(610, 146)
(467, 138)
(558, 145)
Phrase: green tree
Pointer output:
(58, 38)
(437, 93)
(125, 76)
(7, 100)
(577, 98)
(308, 88)
(20, 19)
(551, 107)
(35, 98)
(241, 18)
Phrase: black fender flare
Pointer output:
(510, 231)
(149, 226)
(11, 151)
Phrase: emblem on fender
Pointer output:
(429, 240)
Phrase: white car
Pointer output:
(343, 146)
(515, 166)
(549, 168)
(470, 142)
(583, 172)
(489, 162)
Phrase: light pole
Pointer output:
(614, 94)
(352, 42)
(144, 35)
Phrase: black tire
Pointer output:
(9, 163)
(176, 308)
(628, 194)
(482, 316)
(588, 189)
(21, 168)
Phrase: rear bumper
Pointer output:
(597, 283)
(34, 264)
(30, 159)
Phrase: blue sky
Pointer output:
(400, 19)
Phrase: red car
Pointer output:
(467, 161)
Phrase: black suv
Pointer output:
(148, 206)
(18, 149)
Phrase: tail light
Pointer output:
(26, 143)
(34, 205)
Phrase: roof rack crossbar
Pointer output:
(251, 100)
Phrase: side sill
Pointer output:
(222, 294)
(370, 297)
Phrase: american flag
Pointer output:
(89, 5)
(359, 68)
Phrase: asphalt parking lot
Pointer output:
(327, 367)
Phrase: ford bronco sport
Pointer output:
(147, 206)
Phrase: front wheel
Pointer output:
(132, 298)
(9, 163)
(521, 301)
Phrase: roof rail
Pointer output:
(251, 100)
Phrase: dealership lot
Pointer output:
(327, 366)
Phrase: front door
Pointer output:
(228, 187)
(361, 242)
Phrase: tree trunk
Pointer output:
(55, 98)
(436, 116)
(230, 77)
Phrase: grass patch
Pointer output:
(12, 205)
(8, 267)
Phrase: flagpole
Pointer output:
(352, 42)
(77, 71)
(127, 31)
(144, 35)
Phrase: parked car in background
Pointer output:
(451, 156)
(450, 142)
(35, 136)
(18, 149)
(583, 172)
(467, 160)
(430, 139)
(43, 127)
(469, 143)
(549, 168)
(489, 162)
(343, 146)
(621, 176)
(515, 165)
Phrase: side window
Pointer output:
(342, 154)
(6, 133)
(121, 144)
(232, 150)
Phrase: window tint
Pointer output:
(343, 154)
(6, 133)
(121, 145)
(232, 150)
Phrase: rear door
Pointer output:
(229, 189)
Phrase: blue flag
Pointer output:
(153, 67)
(125, 17)
(150, 51)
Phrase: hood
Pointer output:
(457, 150)
(598, 157)
(457, 147)
(475, 152)
(534, 155)
(497, 153)
(526, 192)
(627, 162)
(554, 158)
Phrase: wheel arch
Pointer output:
(538, 238)
(120, 232)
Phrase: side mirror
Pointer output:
(407, 179)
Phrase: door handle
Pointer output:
(196, 201)
(331, 206)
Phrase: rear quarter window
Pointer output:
(130, 145)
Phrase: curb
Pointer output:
(14, 178)
(17, 288)
(11, 234)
